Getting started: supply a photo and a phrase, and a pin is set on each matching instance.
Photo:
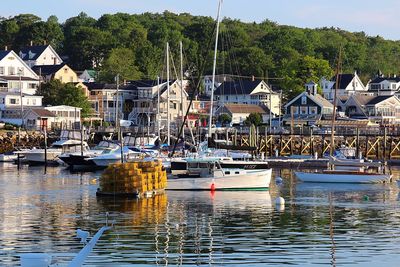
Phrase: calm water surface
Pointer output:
(338, 225)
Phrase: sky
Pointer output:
(371, 16)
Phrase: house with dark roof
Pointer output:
(308, 107)
(382, 85)
(383, 109)
(40, 55)
(38, 118)
(239, 112)
(61, 72)
(248, 92)
(219, 79)
(16, 74)
(348, 84)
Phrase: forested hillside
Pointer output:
(133, 46)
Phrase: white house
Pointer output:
(67, 117)
(40, 55)
(348, 84)
(10, 106)
(248, 92)
(384, 86)
(16, 74)
(240, 112)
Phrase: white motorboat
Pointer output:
(81, 160)
(114, 156)
(69, 142)
(339, 176)
(207, 174)
(8, 157)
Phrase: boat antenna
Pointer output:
(214, 67)
(197, 88)
(338, 70)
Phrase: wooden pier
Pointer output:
(382, 143)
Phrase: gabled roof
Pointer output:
(243, 87)
(381, 79)
(344, 80)
(378, 99)
(317, 99)
(362, 99)
(47, 69)
(92, 73)
(32, 52)
(245, 108)
(3, 54)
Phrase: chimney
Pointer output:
(5, 48)
(252, 78)
(31, 43)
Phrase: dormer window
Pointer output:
(304, 100)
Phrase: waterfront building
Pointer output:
(10, 106)
(15, 74)
(248, 92)
(61, 72)
(384, 109)
(384, 86)
(38, 118)
(40, 55)
(66, 117)
(308, 107)
(348, 84)
(144, 104)
(239, 112)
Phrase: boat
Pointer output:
(207, 174)
(69, 142)
(343, 176)
(114, 156)
(82, 161)
(8, 157)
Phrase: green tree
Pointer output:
(224, 118)
(120, 61)
(254, 119)
(57, 93)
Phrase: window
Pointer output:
(65, 70)
(1, 70)
(32, 86)
(226, 98)
(303, 110)
(110, 104)
(313, 110)
(393, 86)
(304, 100)
(294, 109)
(11, 71)
(34, 102)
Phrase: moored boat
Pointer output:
(207, 174)
(339, 176)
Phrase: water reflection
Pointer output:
(321, 224)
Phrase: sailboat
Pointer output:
(207, 172)
(349, 170)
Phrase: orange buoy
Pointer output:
(212, 188)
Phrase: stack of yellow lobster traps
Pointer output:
(133, 179)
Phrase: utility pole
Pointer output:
(158, 108)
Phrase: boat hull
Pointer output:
(38, 157)
(342, 178)
(253, 180)
(179, 167)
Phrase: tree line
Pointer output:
(133, 46)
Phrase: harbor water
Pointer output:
(320, 224)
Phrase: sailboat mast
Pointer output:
(181, 56)
(158, 107)
(334, 103)
(214, 67)
(168, 120)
